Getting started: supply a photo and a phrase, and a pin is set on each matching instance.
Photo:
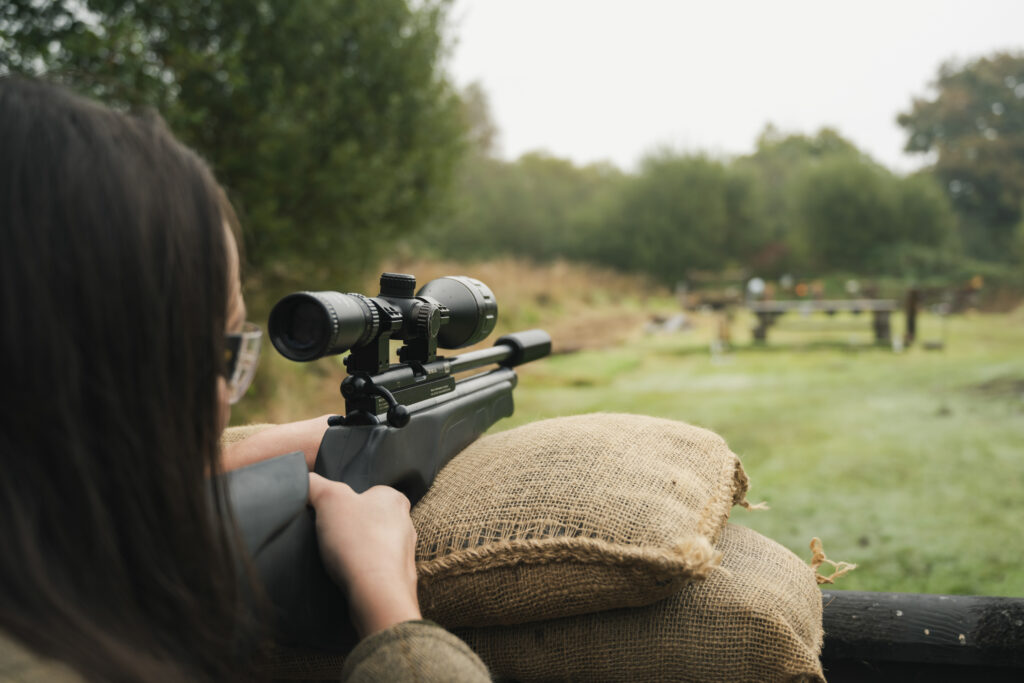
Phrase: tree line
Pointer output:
(807, 204)
(337, 134)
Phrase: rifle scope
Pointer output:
(452, 312)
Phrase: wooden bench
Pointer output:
(768, 312)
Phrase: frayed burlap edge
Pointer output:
(840, 569)
(741, 486)
(694, 556)
(732, 490)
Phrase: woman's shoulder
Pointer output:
(18, 663)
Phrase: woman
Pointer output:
(118, 295)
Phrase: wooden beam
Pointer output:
(928, 629)
(815, 305)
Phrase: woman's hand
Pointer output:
(368, 545)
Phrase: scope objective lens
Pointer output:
(472, 309)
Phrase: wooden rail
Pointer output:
(910, 636)
(825, 305)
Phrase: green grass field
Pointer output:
(909, 464)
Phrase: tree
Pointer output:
(974, 124)
(779, 159)
(925, 215)
(856, 216)
(539, 207)
(681, 213)
(482, 131)
(329, 122)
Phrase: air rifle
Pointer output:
(403, 422)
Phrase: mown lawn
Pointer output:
(910, 464)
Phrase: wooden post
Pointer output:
(764, 320)
(910, 313)
(880, 322)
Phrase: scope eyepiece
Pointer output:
(308, 325)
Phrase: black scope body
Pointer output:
(453, 312)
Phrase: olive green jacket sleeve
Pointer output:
(20, 665)
(413, 651)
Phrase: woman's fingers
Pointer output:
(368, 545)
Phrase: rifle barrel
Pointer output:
(509, 351)
(475, 359)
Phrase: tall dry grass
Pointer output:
(582, 307)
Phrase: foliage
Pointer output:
(856, 216)
(974, 125)
(481, 131)
(681, 213)
(778, 159)
(846, 211)
(333, 128)
(540, 207)
(329, 121)
(805, 204)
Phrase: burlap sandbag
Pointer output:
(570, 516)
(757, 617)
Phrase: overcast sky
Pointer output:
(596, 80)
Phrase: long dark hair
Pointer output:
(113, 296)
